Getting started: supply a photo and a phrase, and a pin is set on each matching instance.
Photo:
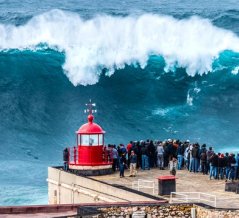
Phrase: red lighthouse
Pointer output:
(90, 156)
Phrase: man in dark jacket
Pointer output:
(66, 159)
(227, 168)
(170, 149)
(195, 158)
(203, 159)
(221, 166)
(145, 159)
(180, 154)
(231, 164)
(209, 155)
(122, 164)
(214, 166)
(151, 153)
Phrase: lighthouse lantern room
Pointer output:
(90, 156)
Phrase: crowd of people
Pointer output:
(191, 156)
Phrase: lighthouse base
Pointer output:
(90, 170)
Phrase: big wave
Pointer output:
(107, 42)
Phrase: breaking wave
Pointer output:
(107, 43)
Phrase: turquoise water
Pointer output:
(156, 69)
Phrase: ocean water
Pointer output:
(156, 69)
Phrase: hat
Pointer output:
(170, 140)
(188, 140)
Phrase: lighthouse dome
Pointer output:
(90, 127)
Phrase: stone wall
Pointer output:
(216, 213)
(183, 210)
(166, 210)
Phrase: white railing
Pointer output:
(197, 197)
(144, 184)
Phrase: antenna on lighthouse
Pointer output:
(90, 108)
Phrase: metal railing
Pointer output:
(196, 197)
(74, 155)
(143, 184)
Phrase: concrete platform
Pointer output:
(186, 182)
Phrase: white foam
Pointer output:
(235, 71)
(189, 99)
(111, 42)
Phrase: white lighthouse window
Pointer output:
(93, 140)
(100, 139)
(84, 139)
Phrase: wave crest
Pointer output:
(113, 42)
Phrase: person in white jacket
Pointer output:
(160, 153)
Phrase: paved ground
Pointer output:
(186, 182)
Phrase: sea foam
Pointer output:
(109, 42)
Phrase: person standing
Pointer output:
(186, 157)
(129, 148)
(210, 152)
(133, 162)
(145, 159)
(160, 153)
(214, 166)
(75, 154)
(221, 164)
(122, 163)
(173, 166)
(203, 160)
(231, 164)
(151, 153)
(114, 157)
(237, 167)
(66, 159)
(180, 153)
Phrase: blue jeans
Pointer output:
(145, 162)
(227, 172)
(231, 173)
(186, 163)
(191, 163)
(180, 161)
(194, 165)
(221, 172)
(121, 168)
(65, 166)
(236, 172)
(213, 172)
(160, 160)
